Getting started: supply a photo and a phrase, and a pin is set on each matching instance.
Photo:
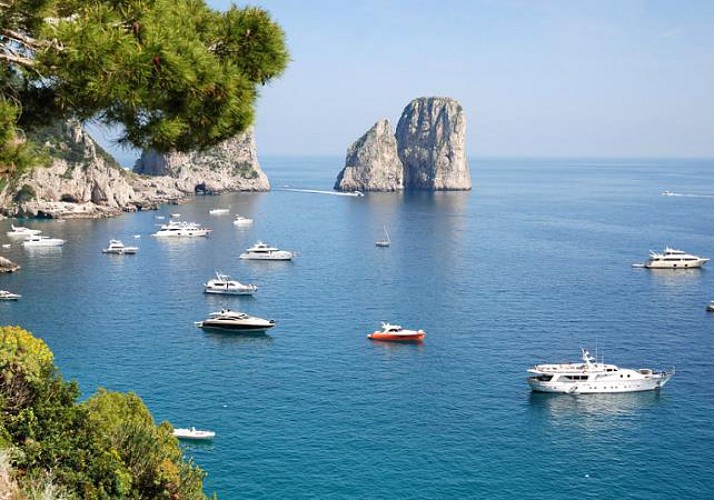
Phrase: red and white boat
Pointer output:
(395, 333)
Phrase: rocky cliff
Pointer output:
(430, 151)
(372, 163)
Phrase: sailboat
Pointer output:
(386, 241)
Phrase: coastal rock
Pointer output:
(372, 163)
(229, 166)
(431, 136)
(8, 266)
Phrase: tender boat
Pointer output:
(236, 322)
(5, 295)
(673, 259)
(194, 434)
(242, 221)
(175, 215)
(395, 333)
(118, 248)
(180, 229)
(263, 251)
(42, 241)
(386, 241)
(218, 211)
(591, 377)
(23, 232)
(224, 285)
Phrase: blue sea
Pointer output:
(530, 266)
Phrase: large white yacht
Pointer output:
(263, 251)
(42, 241)
(236, 322)
(178, 229)
(592, 377)
(118, 248)
(223, 284)
(673, 259)
(22, 232)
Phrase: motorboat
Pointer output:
(42, 241)
(22, 232)
(667, 193)
(5, 295)
(175, 215)
(242, 221)
(710, 306)
(118, 248)
(194, 434)
(223, 284)
(263, 251)
(218, 211)
(395, 333)
(591, 377)
(384, 242)
(672, 258)
(235, 322)
(180, 229)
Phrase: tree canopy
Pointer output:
(175, 74)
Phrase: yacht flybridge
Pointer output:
(672, 258)
(116, 247)
(178, 229)
(223, 284)
(592, 377)
(263, 251)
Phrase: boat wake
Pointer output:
(687, 195)
(353, 194)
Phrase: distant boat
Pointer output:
(42, 241)
(5, 295)
(23, 231)
(235, 322)
(242, 221)
(118, 248)
(395, 333)
(194, 434)
(218, 211)
(222, 284)
(672, 258)
(176, 215)
(667, 193)
(263, 251)
(710, 306)
(386, 241)
(177, 229)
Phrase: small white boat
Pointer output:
(235, 322)
(710, 306)
(263, 251)
(178, 229)
(42, 241)
(116, 247)
(667, 193)
(175, 215)
(242, 221)
(590, 377)
(5, 295)
(194, 434)
(23, 232)
(6, 245)
(672, 258)
(386, 241)
(218, 211)
(222, 284)
(159, 217)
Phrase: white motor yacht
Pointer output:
(235, 322)
(22, 232)
(5, 295)
(591, 377)
(179, 229)
(263, 251)
(242, 221)
(42, 241)
(223, 284)
(118, 248)
(194, 434)
(673, 259)
(218, 211)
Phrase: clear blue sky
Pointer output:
(536, 78)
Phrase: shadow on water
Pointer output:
(254, 339)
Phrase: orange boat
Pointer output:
(395, 333)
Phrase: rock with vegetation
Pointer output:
(105, 447)
(372, 163)
(229, 166)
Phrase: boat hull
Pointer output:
(279, 255)
(223, 291)
(599, 387)
(694, 264)
(223, 326)
(386, 337)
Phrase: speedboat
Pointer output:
(42, 241)
(591, 377)
(242, 221)
(218, 211)
(667, 193)
(395, 333)
(263, 251)
(23, 232)
(236, 322)
(118, 248)
(673, 259)
(710, 306)
(194, 433)
(224, 285)
(5, 295)
(178, 229)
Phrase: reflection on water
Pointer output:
(254, 339)
(592, 411)
(675, 278)
(397, 346)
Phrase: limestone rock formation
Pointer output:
(431, 136)
(8, 266)
(229, 166)
(372, 163)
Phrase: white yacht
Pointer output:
(673, 259)
(242, 221)
(194, 434)
(22, 232)
(236, 322)
(118, 248)
(591, 377)
(179, 229)
(263, 251)
(42, 241)
(223, 284)
(218, 211)
(5, 295)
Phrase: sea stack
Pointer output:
(372, 162)
(431, 138)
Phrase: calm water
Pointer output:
(529, 267)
